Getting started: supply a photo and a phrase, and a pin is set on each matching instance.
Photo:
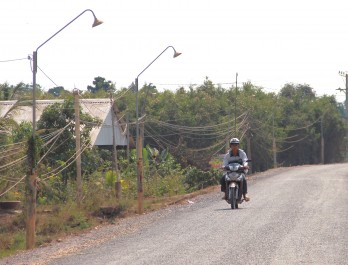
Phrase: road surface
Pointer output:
(296, 215)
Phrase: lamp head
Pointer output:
(176, 54)
(97, 22)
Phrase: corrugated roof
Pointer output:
(100, 108)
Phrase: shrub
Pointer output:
(197, 179)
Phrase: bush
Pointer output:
(196, 179)
(157, 186)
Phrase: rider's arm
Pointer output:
(225, 162)
(244, 159)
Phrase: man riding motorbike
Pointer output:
(235, 155)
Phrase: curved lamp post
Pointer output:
(31, 182)
(95, 23)
(138, 142)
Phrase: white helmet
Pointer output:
(234, 141)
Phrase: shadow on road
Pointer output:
(228, 209)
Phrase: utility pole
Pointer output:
(235, 109)
(140, 166)
(114, 149)
(322, 140)
(229, 132)
(249, 149)
(78, 147)
(345, 74)
(31, 206)
(31, 189)
(274, 146)
(127, 121)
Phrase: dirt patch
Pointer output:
(8, 216)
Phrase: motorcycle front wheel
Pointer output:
(232, 196)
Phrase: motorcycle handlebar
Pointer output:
(240, 168)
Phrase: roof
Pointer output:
(100, 108)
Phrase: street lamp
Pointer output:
(138, 142)
(31, 182)
(95, 23)
(345, 74)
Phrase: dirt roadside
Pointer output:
(105, 232)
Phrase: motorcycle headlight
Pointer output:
(233, 176)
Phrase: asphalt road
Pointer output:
(296, 216)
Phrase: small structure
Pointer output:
(100, 108)
(9, 205)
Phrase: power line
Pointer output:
(67, 163)
(29, 57)
(47, 76)
(12, 186)
(12, 60)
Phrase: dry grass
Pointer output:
(56, 222)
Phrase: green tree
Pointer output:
(302, 114)
(195, 123)
(57, 92)
(54, 118)
(20, 91)
(100, 84)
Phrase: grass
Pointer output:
(53, 223)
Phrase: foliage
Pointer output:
(194, 124)
(59, 116)
(58, 92)
(13, 150)
(15, 92)
(110, 178)
(163, 176)
(100, 84)
(198, 179)
(185, 130)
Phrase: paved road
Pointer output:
(296, 216)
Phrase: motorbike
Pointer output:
(235, 172)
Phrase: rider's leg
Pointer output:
(223, 183)
(223, 187)
(240, 190)
(245, 190)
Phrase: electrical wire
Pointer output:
(74, 155)
(19, 143)
(12, 60)
(31, 67)
(11, 154)
(57, 137)
(13, 186)
(47, 76)
(13, 162)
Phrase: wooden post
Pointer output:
(249, 150)
(322, 140)
(31, 211)
(128, 152)
(140, 167)
(114, 150)
(227, 148)
(78, 148)
(274, 146)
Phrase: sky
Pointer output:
(269, 43)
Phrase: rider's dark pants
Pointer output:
(223, 185)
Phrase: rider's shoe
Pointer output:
(246, 198)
